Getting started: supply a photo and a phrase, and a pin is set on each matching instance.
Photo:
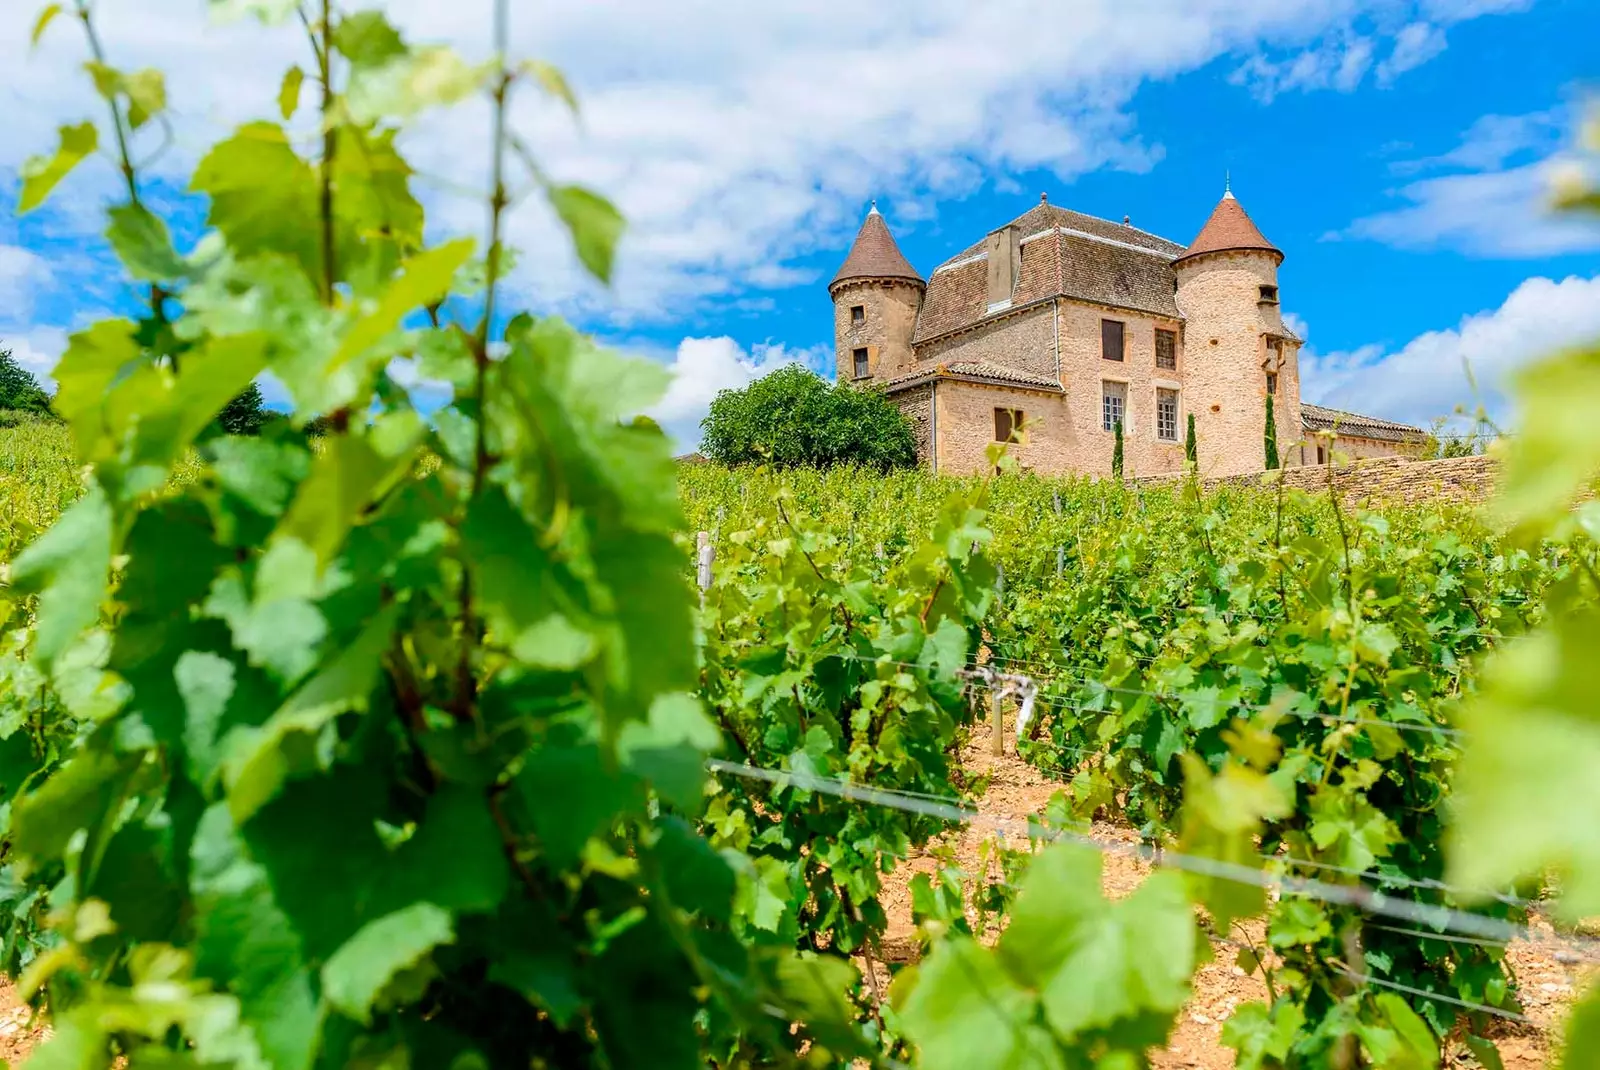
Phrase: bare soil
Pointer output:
(1017, 790)
(19, 1033)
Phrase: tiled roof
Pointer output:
(875, 255)
(1229, 227)
(1065, 254)
(972, 369)
(1318, 418)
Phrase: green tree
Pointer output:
(20, 391)
(1271, 437)
(1116, 453)
(793, 417)
(246, 414)
(1191, 454)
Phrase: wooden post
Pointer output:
(997, 725)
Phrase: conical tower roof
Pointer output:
(875, 255)
(1229, 227)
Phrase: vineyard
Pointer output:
(484, 735)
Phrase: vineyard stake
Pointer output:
(707, 553)
(997, 727)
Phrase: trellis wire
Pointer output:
(1443, 918)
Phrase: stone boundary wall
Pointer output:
(1459, 479)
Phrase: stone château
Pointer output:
(1058, 326)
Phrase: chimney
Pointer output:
(1004, 256)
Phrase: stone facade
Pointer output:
(964, 416)
(1314, 449)
(1231, 331)
(1024, 318)
(887, 317)
(1024, 340)
(917, 404)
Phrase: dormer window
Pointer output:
(1269, 295)
(858, 315)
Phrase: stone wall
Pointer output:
(917, 404)
(889, 315)
(1392, 479)
(1225, 348)
(1022, 341)
(965, 415)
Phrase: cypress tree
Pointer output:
(1116, 454)
(1191, 453)
(1271, 436)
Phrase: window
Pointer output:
(1166, 349)
(1111, 339)
(860, 356)
(1007, 425)
(1114, 405)
(1275, 351)
(1167, 415)
(1269, 293)
(1322, 455)
(858, 315)
(1272, 382)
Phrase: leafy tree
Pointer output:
(793, 417)
(1116, 452)
(20, 391)
(1271, 437)
(246, 414)
(1191, 453)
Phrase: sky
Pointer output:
(1399, 152)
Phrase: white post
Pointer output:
(706, 555)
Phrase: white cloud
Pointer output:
(1462, 366)
(1414, 45)
(22, 274)
(1495, 201)
(1339, 64)
(738, 137)
(702, 367)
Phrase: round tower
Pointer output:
(1236, 347)
(876, 297)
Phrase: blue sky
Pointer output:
(1398, 151)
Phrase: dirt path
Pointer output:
(1017, 790)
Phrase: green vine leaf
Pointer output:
(355, 977)
(143, 244)
(42, 23)
(41, 174)
(69, 566)
(593, 223)
(289, 92)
